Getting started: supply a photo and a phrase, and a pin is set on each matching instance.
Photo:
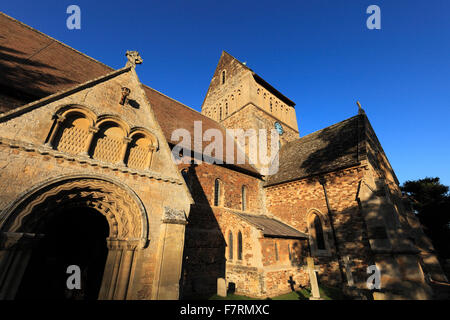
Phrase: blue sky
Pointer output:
(318, 53)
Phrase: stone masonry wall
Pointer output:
(26, 163)
(292, 202)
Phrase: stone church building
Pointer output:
(89, 181)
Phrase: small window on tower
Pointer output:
(244, 198)
(223, 76)
(217, 191)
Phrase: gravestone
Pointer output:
(312, 269)
(348, 271)
(221, 287)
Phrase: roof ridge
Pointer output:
(330, 126)
(317, 131)
(55, 40)
(265, 83)
(174, 100)
(39, 103)
(244, 65)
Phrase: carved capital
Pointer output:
(121, 244)
(126, 140)
(60, 118)
(93, 129)
(9, 240)
(174, 216)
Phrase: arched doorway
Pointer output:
(72, 237)
(65, 222)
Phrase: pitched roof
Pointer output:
(265, 84)
(173, 115)
(338, 146)
(271, 227)
(34, 65)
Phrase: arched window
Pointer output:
(217, 191)
(140, 150)
(239, 246)
(223, 76)
(318, 234)
(73, 130)
(320, 239)
(230, 245)
(244, 198)
(109, 142)
(220, 113)
(74, 133)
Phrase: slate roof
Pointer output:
(338, 146)
(34, 65)
(271, 227)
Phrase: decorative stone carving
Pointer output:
(8, 240)
(125, 93)
(120, 209)
(134, 58)
(174, 216)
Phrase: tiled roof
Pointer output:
(271, 227)
(34, 65)
(173, 115)
(338, 146)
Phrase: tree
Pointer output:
(431, 202)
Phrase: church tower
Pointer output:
(238, 98)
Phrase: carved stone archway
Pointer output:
(22, 224)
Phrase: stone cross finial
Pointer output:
(134, 58)
(360, 109)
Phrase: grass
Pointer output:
(326, 293)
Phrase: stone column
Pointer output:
(15, 253)
(148, 163)
(92, 132)
(59, 120)
(119, 269)
(126, 141)
(170, 256)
